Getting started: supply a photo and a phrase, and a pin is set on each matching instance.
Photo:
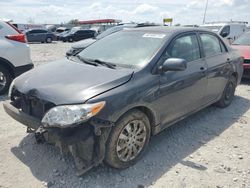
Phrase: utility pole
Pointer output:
(204, 18)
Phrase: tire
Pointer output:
(228, 93)
(115, 158)
(70, 39)
(48, 40)
(5, 80)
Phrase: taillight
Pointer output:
(18, 38)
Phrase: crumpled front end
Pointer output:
(85, 141)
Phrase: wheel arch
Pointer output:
(151, 115)
(6, 64)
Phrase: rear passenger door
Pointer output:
(42, 35)
(218, 62)
(182, 92)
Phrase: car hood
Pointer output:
(83, 43)
(244, 50)
(68, 82)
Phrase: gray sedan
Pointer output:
(40, 35)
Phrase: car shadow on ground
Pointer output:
(53, 42)
(167, 149)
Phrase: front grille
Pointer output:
(30, 104)
(247, 61)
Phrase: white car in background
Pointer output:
(228, 30)
(14, 55)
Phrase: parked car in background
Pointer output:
(40, 35)
(79, 46)
(59, 35)
(105, 103)
(14, 55)
(61, 29)
(243, 45)
(78, 35)
(228, 30)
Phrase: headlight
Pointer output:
(66, 115)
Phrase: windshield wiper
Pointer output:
(107, 64)
(87, 61)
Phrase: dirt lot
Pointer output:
(209, 149)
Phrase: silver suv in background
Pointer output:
(14, 55)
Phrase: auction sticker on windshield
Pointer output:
(153, 35)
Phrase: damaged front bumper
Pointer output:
(85, 142)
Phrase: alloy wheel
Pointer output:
(229, 91)
(131, 140)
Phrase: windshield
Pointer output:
(243, 40)
(109, 31)
(132, 49)
(115, 29)
(73, 30)
(212, 28)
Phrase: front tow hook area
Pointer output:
(86, 145)
(39, 135)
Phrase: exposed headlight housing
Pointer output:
(67, 115)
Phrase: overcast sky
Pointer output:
(183, 11)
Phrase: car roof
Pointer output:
(85, 30)
(36, 29)
(167, 29)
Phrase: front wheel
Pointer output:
(5, 80)
(128, 140)
(228, 93)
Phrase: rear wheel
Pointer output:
(128, 140)
(228, 93)
(70, 39)
(5, 80)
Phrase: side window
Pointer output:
(225, 31)
(211, 45)
(1, 26)
(36, 31)
(79, 32)
(185, 47)
(43, 31)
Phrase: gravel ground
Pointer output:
(208, 149)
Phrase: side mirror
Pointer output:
(224, 34)
(173, 64)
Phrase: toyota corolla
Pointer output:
(104, 104)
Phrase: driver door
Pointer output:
(182, 92)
